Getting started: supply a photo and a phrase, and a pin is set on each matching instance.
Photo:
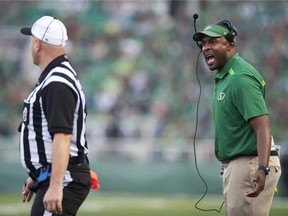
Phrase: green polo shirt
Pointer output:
(239, 95)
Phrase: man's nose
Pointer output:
(205, 46)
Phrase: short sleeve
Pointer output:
(59, 102)
(248, 97)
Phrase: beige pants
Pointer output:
(237, 180)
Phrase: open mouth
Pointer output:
(210, 59)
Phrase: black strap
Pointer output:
(274, 153)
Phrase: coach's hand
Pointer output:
(26, 193)
(53, 199)
(259, 181)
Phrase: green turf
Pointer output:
(99, 204)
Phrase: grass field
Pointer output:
(131, 205)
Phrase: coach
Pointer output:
(53, 144)
(243, 141)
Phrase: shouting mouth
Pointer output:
(210, 59)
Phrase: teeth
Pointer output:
(209, 57)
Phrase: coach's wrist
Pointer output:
(264, 169)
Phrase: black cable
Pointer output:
(194, 144)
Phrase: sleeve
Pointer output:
(59, 102)
(248, 96)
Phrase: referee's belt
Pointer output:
(77, 160)
(272, 153)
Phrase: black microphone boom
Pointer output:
(195, 17)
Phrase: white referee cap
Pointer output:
(48, 29)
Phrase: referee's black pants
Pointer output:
(74, 193)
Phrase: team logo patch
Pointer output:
(207, 27)
(24, 114)
(221, 96)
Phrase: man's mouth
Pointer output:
(210, 59)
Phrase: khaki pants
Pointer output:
(237, 180)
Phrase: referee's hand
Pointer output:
(26, 193)
(53, 200)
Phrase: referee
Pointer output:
(53, 145)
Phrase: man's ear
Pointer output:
(37, 45)
(231, 45)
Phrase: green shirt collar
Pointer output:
(227, 67)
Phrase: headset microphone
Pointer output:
(195, 17)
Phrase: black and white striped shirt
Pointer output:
(56, 105)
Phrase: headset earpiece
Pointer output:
(199, 44)
(232, 30)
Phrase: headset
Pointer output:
(233, 32)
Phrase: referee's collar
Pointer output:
(55, 62)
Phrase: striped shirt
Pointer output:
(56, 105)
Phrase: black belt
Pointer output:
(77, 160)
(272, 153)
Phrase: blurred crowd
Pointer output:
(137, 62)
